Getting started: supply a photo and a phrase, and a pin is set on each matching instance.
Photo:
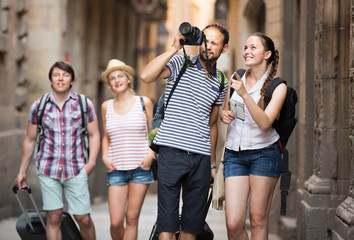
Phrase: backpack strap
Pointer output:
(41, 106)
(284, 181)
(240, 72)
(143, 105)
(84, 132)
(222, 79)
(270, 89)
(40, 113)
(144, 110)
(83, 107)
(189, 60)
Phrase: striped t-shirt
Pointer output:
(127, 135)
(186, 122)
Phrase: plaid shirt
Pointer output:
(61, 152)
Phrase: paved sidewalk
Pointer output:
(100, 216)
(148, 215)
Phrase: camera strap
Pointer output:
(208, 64)
(187, 62)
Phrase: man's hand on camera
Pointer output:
(177, 43)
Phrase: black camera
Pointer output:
(192, 34)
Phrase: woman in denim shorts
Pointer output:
(252, 160)
(125, 150)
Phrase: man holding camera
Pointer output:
(187, 137)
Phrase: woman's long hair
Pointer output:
(274, 60)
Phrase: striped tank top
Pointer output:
(128, 137)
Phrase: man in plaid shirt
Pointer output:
(60, 160)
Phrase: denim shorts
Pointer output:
(123, 177)
(261, 162)
(75, 189)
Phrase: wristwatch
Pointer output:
(212, 166)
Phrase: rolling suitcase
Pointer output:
(31, 223)
(206, 235)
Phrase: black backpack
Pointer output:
(84, 132)
(284, 126)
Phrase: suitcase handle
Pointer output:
(15, 189)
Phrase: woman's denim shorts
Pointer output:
(261, 162)
(123, 177)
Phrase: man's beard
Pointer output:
(211, 59)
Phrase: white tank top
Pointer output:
(128, 137)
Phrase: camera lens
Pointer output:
(185, 28)
(192, 35)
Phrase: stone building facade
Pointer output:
(315, 40)
(13, 93)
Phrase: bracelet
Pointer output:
(212, 166)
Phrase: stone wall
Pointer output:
(344, 219)
(13, 93)
(328, 186)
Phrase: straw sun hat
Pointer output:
(115, 64)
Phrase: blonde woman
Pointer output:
(125, 150)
